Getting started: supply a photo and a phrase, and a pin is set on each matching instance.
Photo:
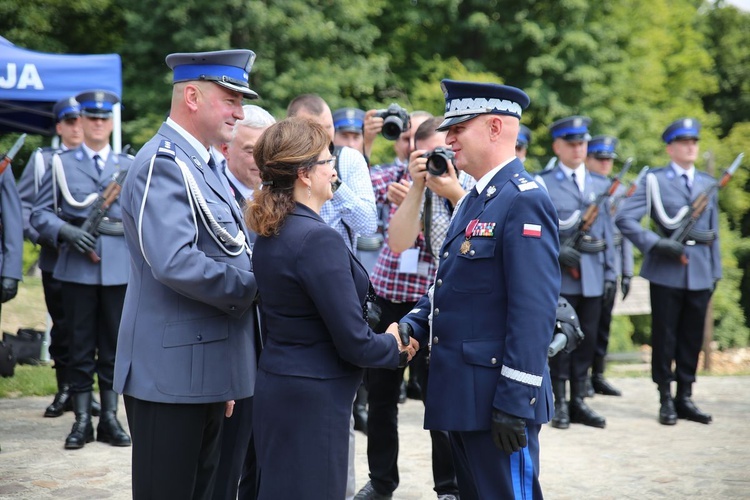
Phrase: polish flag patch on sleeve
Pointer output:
(532, 230)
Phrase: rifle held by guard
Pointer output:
(100, 208)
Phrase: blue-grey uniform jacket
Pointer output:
(187, 329)
(494, 308)
(704, 258)
(28, 187)
(83, 178)
(11, 258)
(623, 246)
(595, 268)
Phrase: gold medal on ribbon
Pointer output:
(465, 247)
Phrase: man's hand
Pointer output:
(9, 289)
(610, 288)
(229, 408)
(625, 286)
(569, 256)
(508, 432)
(407, 345)
(397, 191)
(78, 238)
(372, 127)
(418, 168)
(447, 185)
(669, 248)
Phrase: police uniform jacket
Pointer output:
(28, 187)
(187, 329)
(623, 246)
(83, 178)
(494, 308)
(595, 268)
(704, 258)
(313, 290)
(11, 258)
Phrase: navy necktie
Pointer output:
(687, 182)
(470, 199)
(575, 181)
(96, 162)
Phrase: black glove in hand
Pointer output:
(508, 432)
(80, 239)
(569, 256)
(404, 331)
(9, 289)
(625, 286)
(610, 288)
(669, 248)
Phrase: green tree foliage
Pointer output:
(633, 66)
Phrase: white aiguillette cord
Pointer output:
(220, 235)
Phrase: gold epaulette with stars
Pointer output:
(523, 182)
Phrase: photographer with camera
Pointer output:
(435, 190)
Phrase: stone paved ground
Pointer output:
(633, 458)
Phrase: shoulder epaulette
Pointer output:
(524, 182)
(166, 148)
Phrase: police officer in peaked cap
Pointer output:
(588, 266)
(600, 160)
(90, 264)
(682, 275)
(186, 348)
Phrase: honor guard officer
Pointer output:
(494, 302)
(588, 272)
(599, 160)
(67, 114)
(92, 289)
(682, 277)
(348, 124)
(522, 143)
(187, 338)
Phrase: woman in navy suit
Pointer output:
(313, 293)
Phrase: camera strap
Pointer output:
(427, 221)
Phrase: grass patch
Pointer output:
(29, 381)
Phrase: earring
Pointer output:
(309, 192)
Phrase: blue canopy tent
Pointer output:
(32, 82)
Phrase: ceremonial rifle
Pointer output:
(100, 208)
(592, 212)
(8, 157)
(634, 185)
(700, 204)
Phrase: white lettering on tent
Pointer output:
(29, 77)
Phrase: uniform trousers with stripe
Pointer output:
(485, 472)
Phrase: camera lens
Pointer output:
(392, 128)
(437, 164)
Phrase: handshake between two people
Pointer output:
(407, 345)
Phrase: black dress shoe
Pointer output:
(402, 393)
(686, 409)
(589, 388)
(60, 404)
(81, 433)
(581, 413)
(667, 414)
(561, 420)
(368, 493)
(601, 386)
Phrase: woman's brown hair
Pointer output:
(280, 152)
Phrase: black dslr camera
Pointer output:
(396, 121)
(437, 160)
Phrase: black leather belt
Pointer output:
(592, 245)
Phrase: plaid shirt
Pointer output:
(352, 209)
(387, 281)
